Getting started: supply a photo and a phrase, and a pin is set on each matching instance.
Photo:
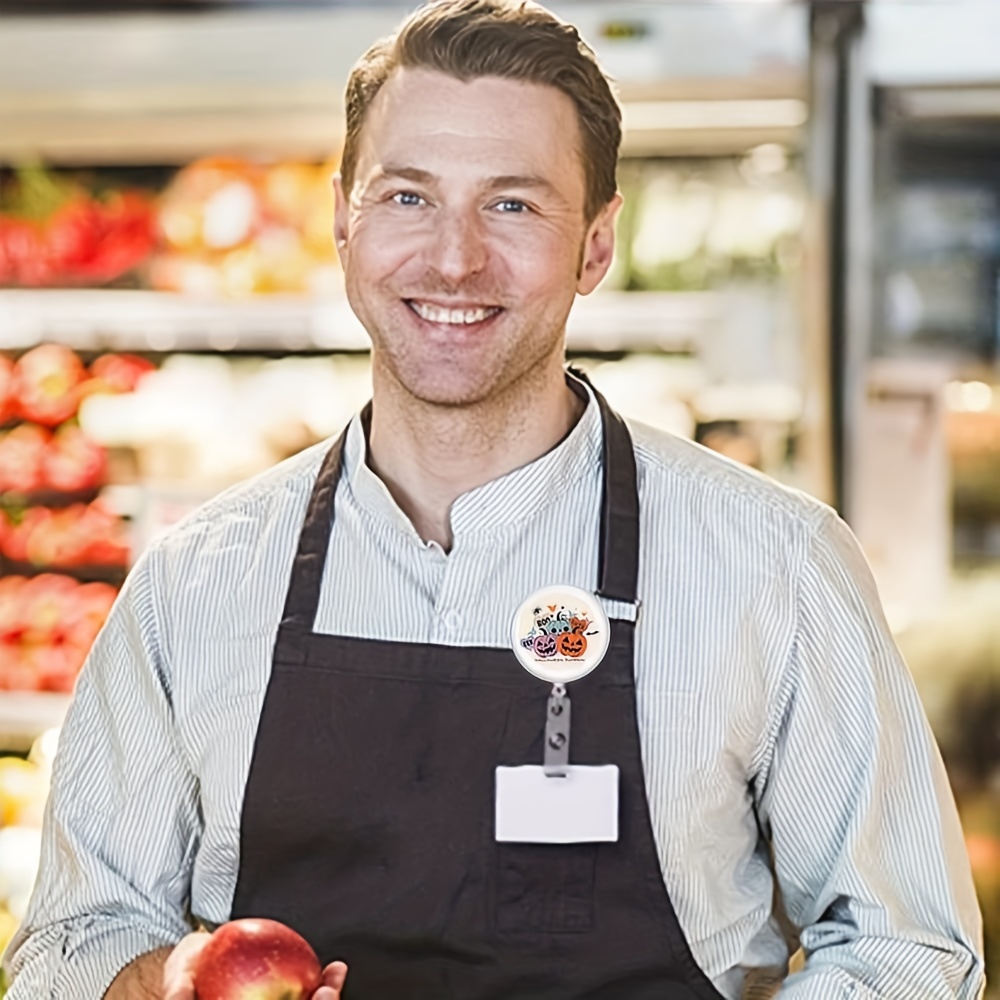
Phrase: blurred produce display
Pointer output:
(81, 535)
(54, 231)
(24, 787)
(52, 516)
(222, 226)
(47, 625)
(233, 227)
(203, 422)
(691, 225)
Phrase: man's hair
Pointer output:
(513, 39)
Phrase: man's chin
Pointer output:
(448, 397)
(449, 389)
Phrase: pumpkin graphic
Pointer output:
(545, 645)
(572, 644)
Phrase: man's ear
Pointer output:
(599, 247)
(341, 216)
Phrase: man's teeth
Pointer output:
(434, 314)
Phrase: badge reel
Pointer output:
(559, 635)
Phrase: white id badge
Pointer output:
(580, 808)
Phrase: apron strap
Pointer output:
(302, 600)
(618, 552)
(618, 558)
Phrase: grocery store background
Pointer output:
(808, 281)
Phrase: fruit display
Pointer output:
(32, 459)
(201, 423)
(47, 626)
(80, 535)
(52, 517)
(256, 959)
(234, 227)
(56, 232)
(24, 788)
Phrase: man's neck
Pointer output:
(430, 455)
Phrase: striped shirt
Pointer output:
(769, 692)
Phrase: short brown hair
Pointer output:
(515, 39)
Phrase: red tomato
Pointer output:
(73, 235)
(127, 238)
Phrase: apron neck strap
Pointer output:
(618, 558)
(302, 599)
(618, 551)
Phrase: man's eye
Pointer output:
(512, 205)
(407, 198)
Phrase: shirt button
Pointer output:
(453, 621)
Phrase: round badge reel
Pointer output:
(560, 634)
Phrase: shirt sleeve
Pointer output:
(121, 823)
(868, 850)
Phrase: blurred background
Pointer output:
(808, 281)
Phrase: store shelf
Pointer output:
(25, 715)
(89, 573)
(53, 499)
(98, 320)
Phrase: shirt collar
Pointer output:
(495, 505)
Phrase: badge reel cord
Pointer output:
(557, 718)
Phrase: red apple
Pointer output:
(55, 539)
(256, 959)
(50, 667)
(21, 533)
(73, 462)
(118, 373)
(48, 382)
(22, 452)
(46, 605)
(86, 611)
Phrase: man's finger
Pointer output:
(333, 978)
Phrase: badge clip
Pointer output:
(557, 716)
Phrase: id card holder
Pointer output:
(557, 802)
(579, 808)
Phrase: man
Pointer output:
(300, 704)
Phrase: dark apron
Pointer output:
(368, 820)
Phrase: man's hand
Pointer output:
(178, 972)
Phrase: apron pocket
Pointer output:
(545, 887)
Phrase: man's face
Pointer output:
(464, 240)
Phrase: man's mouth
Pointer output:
(431, 313)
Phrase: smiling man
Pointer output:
(338, 696)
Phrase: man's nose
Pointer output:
(459, 247)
